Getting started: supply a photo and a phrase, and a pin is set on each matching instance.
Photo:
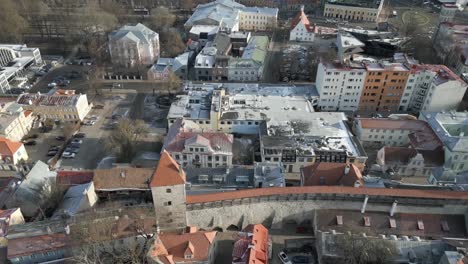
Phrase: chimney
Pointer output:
(363, 209)
(122, 173)
(302, 8)
(394, 205)
(347, 169)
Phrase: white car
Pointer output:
(89, 122)
(76, 141)
(284, 258)
(68, 155)
(52, 84)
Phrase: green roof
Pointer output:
(256, 49)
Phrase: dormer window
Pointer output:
(188, 256)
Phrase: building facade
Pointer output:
(301, 29)
(12, 152)
(15, 123)
(357, 10)
(133, 46)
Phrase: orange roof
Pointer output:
(168, 172)
(385, 123)
(302, 18)
(8, 147)
(259, 251)
(27, 113)
(173, 247)
(396, 193)
(330, 173)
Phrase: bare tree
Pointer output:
(171, 43)
(172, 83)
(356, 249)
(162, 19)
(50, 196)
(12, 25)
(125, 137)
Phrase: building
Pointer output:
(355, 10)
(340, 86)
(77, 199)
(231, 16)
(133, 46)
(234, 107)
(329, 173)
(301, 29)
(409, 162)
(189, 247)
(161, 70)
(63, 105)
(450, 45)
(198, 149)
(249, 67)
(252, 245)
(39, 248)
(432, 88)
(168, 191)
(347, 46)
(12, 216)
(388, 87)
(130, 185)
(383, 87)
(15, 123)
(208, 180)
(447, 12)
(12, 152)
(15, 61)
(451, 129)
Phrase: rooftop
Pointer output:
(26, 246)
(301, 17)
(402, 155)
(251, 245)
(8, 147)
(70, 178)
(174, 248)
(451, 128)
(356, 3)
(434, 226)
(48, 100)
(116, 179)
(330, 173)
(139, 33)
(443, 73)
(168, 172)
(387, 67)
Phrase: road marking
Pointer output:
(417, 15)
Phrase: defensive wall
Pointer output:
(275, 207)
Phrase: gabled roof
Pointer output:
(172, 248)
(122, 178)
(71, 178)
(168, 172)
(8, 147)
(301, 17)
(330, 173)
(139, 32)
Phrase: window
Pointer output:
(168, 190)
(168, 203)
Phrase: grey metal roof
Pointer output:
(139, 32)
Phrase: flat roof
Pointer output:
(450, 127)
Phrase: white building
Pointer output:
(301, 30)
(250, 66)
(63, 105)
(15, 60)
(232, 16)
(340, 86)
(15, 123)
(133, 46)
(452, 129)
(355, 10)
(12, 152)
(432, 88)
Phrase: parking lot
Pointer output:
(93, 146)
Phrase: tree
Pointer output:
(162, 19)
(50, 196)
(172, 83)
(172, 44)
(12, 25)
(357, 249)
(125, 137)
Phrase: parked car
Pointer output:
(51, 85)
(54, 148)
(79, 135)
(94, 117)
(76, 141)
(33, 136)
(64, 83)
(30, 143)
(68, 155)
(60, 138)
(98, 107)
(301, 259)
(89, 122)
(71, 149)
(284, 258)
(52, 153)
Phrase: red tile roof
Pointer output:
(172, 246)
(122, 179)
(301, 17)
(29, 245)
(330, 173)
(168, 172)
(27, 113)
(396, 193)
(70, 178)
(259, 252)
(8, 147)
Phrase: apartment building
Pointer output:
(356, 10)
(258, 18)
(62, 105)
(452, 129)
(383, 87)
(12, 152)
(432, 88)
(15, 122)
(133, 46)
(340, 86)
